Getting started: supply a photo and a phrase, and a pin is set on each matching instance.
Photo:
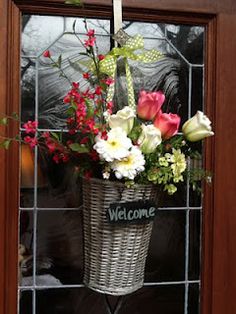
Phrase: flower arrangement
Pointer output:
(136, 144)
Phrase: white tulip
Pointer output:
(197, 128)
(149, 139)
(124, 119)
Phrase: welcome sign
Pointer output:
(131, 212)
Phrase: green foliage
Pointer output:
(135, 133)
(6, 143)
(55, 136)
(75, 147)
(4, 121)
(15, 116)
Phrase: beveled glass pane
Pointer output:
(28, 80)
(52, 87)
(59, 247)
(25, 300)
(26, 176)
(179, 199)
(188, 40)
(25, 271)
(193, 304)
(150, 300)
(194, 244)
(147, 30)
(197, 90)
(102, 27)
(166, 257)
(39, 32)
(70, 301)
(59, 183)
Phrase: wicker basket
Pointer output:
(114, 255)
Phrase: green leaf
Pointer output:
(5, 144)
(76, 66)
(74, 106)
(73, 27)
(83, 53)
(74, 2)
(75, 147)
(15, 116)
(71, 111)
(59, 61)
(4, 121)
(55, 135)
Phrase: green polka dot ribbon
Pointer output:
(128, 51)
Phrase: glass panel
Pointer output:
(26, 248)
(28, 77)
(187, 40)
(25, 299)
(59, 248)
(149, 300)
(102, 27)
(27, 177)
(194, 245)
(193, 305)
(59, 184)
(151, 30)
(39, 32)
(166, 258)
(50, 219)
(70, 301)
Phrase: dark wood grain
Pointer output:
(219, 223)
(200, 6)
(10, 78)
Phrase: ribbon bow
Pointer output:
(109, 63)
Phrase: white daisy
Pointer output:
(116, 146)
(130, 166)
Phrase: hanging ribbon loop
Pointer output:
(109, 64)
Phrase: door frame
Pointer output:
(219, 217)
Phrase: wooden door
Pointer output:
(219, 235)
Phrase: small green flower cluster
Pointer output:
(168, 170)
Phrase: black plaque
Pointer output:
(131, 212)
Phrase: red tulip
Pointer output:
(149, 104)
(168, 123)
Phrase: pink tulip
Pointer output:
(168, 123)
(149, 104)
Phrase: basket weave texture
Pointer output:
(114, 255)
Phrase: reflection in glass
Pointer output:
(150, 300)
(39, 32)
(25, 299)
(61, 184)
(188, 40)
(59, 247)
(70, 301)
(193, 305)
(52, 110)
(194, 245)
(150, 30)
(28, 77)
(166, 257)
(58, 237)
(26, 248)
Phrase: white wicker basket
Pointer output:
(114, 255)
